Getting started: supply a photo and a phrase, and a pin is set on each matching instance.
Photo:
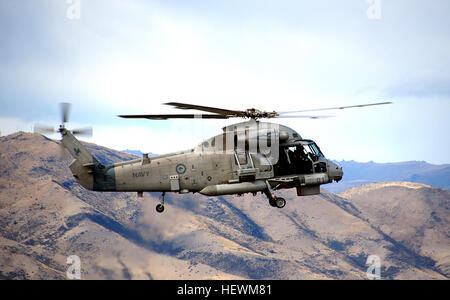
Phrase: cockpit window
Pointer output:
(315, 149)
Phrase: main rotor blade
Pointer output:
(332, 108)
(303, 117)
(181, 116)
(87, 132)
(65, 111)
(216, 110)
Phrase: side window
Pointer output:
(269, 139)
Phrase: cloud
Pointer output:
(128, 57)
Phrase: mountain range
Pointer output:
(137, 152)
(357, 173)
(46, 216)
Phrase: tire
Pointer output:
(160, 208)
(272, 203)
(280, 202)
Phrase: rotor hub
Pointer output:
(254, 113)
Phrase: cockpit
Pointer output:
(314, 149)
(285, 149)
(300, 157)
(310, 148)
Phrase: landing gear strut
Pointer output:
(274, 201)
(160, 206)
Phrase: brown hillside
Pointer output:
(417, 215)
(45, 216)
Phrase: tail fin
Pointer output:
(76, 149)
(86, 169)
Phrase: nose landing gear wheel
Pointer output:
(160, 208)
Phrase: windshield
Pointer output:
(314, 149)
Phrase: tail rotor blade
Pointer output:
(86, 132)
(43, 129)
(65, 111)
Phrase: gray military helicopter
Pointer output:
(247, 157)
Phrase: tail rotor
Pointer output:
(49, 130)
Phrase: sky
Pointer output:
(111, 57)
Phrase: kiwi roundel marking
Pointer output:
(180, 168)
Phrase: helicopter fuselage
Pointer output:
(224, 164)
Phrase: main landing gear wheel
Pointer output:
(160, 207)
(277, 202)
(272, 203)
(280, 202)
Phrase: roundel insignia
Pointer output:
(180, 168)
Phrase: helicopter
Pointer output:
(247, 157)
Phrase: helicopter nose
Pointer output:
(335, 171)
